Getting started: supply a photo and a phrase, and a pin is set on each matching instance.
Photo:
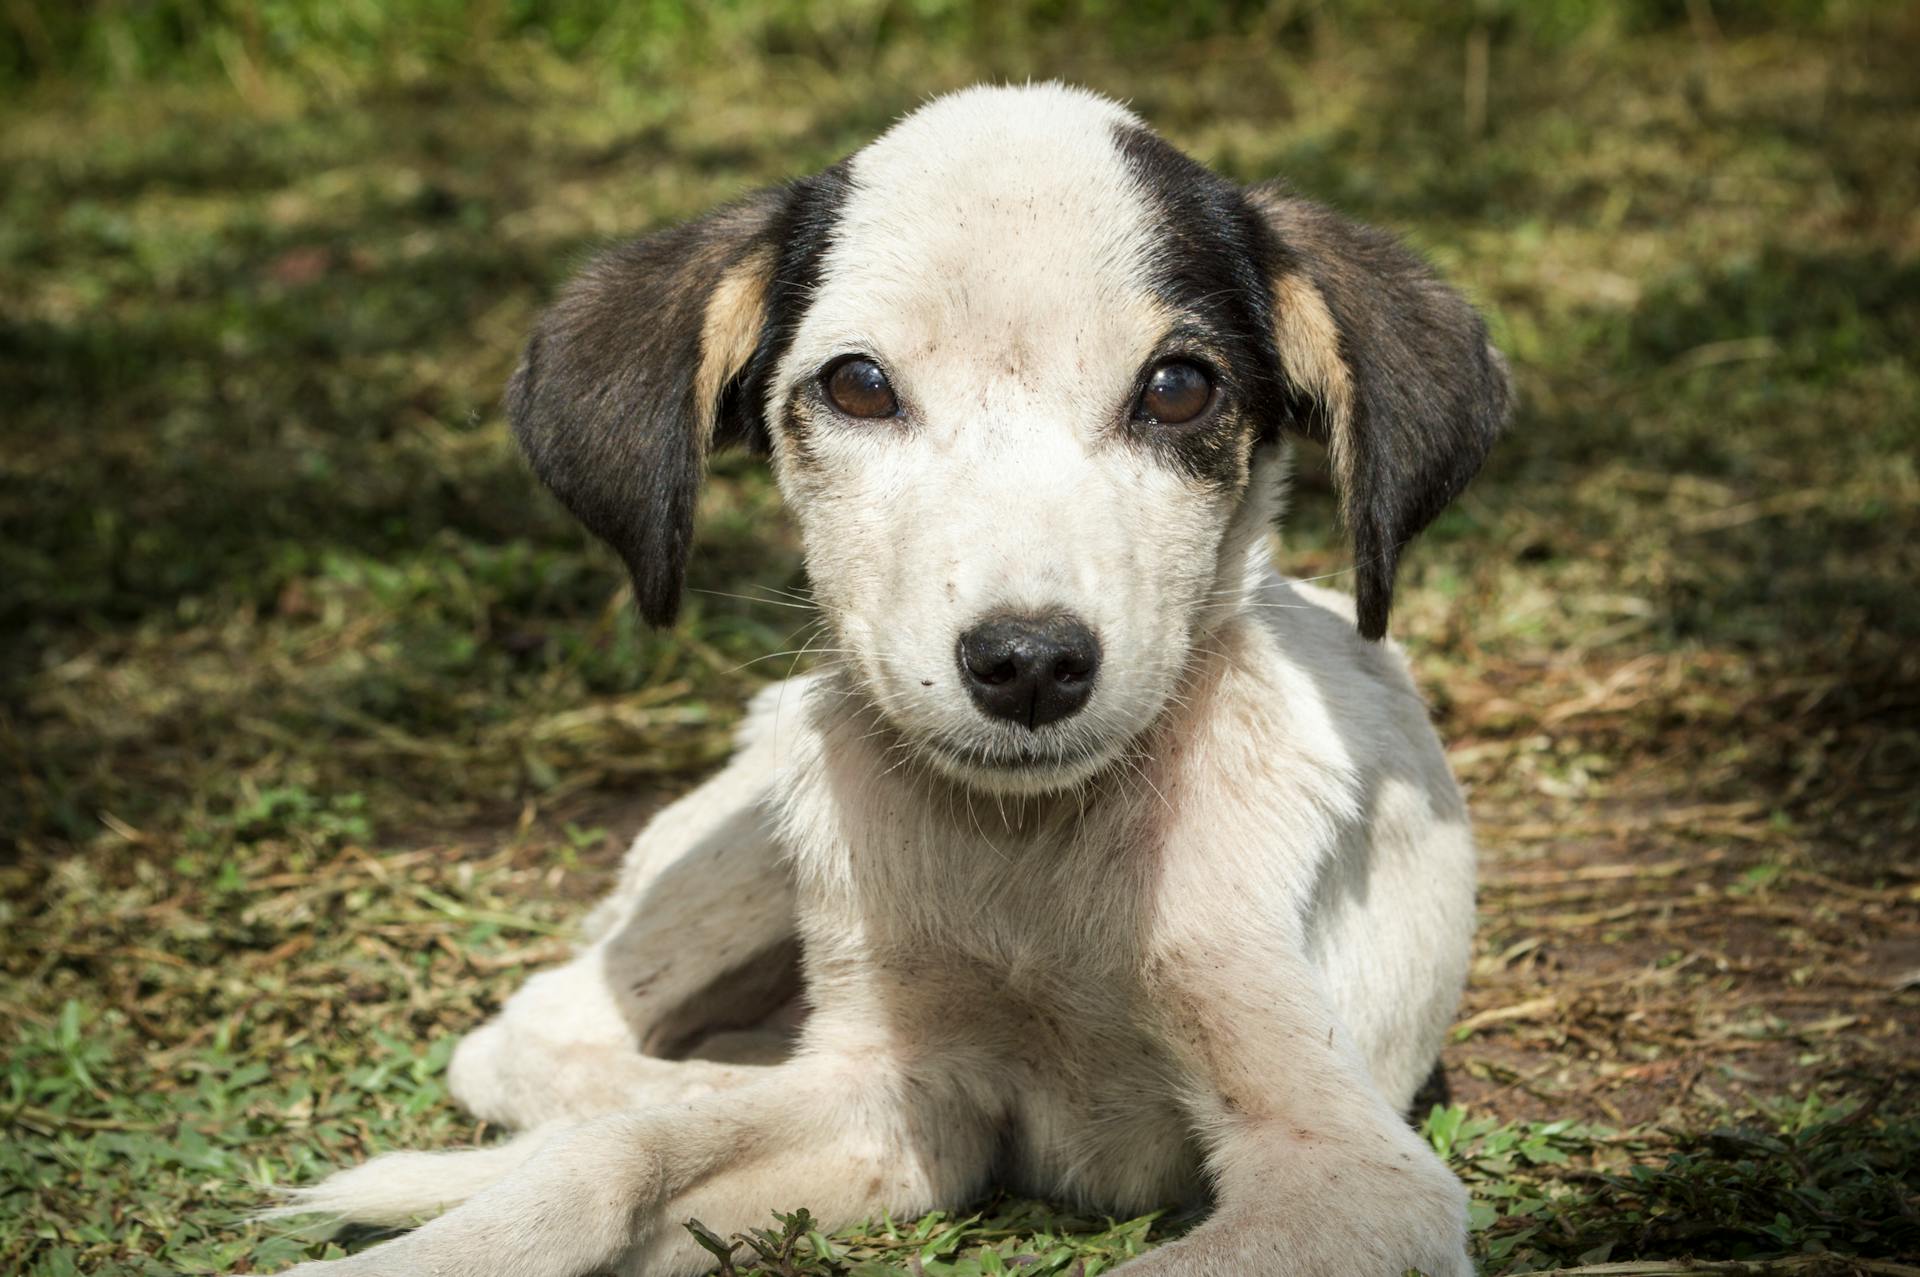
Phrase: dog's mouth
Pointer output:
(997, 758)
(1031, 766)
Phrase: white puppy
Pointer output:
(1107, 865)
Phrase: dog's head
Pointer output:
(1024, 371)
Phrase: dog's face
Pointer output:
(1013, 448)
(1024, 372)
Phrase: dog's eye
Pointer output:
(857, 387)
(1176, 392)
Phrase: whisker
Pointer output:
(805, 596)
(754, 598)
(780, 701)
(794, 652)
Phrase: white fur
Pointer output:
(1209, 939)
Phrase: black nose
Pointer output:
(1030, 669)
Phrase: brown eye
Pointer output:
(1176, 392)
(858, 388)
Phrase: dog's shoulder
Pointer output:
(1312, 627)
(1336, 700)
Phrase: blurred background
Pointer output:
(319, 721)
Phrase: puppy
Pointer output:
(1115, 867)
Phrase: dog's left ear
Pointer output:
(634, 374)
(1392, 371)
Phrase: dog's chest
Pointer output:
(1095, 1117)
(1063, 1056)
(1007, 945)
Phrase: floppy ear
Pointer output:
(634, 374)
(1394, 370)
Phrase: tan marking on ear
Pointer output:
(730, 330)
(1310, 352)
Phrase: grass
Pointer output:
(320, 725)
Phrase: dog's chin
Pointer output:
(967, 749)
(1017, 769)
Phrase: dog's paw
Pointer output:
(552, 1203)
(1413, 1221)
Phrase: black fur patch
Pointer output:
(603, 401)
(806, 234)
(1210, 271)
(1429, 395)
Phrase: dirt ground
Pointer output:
(1652, 959)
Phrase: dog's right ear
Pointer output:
(634, 374)
(1395, 370)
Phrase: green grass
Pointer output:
(320, 725)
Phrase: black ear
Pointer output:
(1394, 370)
(633, 375)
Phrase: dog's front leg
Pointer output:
(1315, 1173)
(703, 917)
(845, 1135)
